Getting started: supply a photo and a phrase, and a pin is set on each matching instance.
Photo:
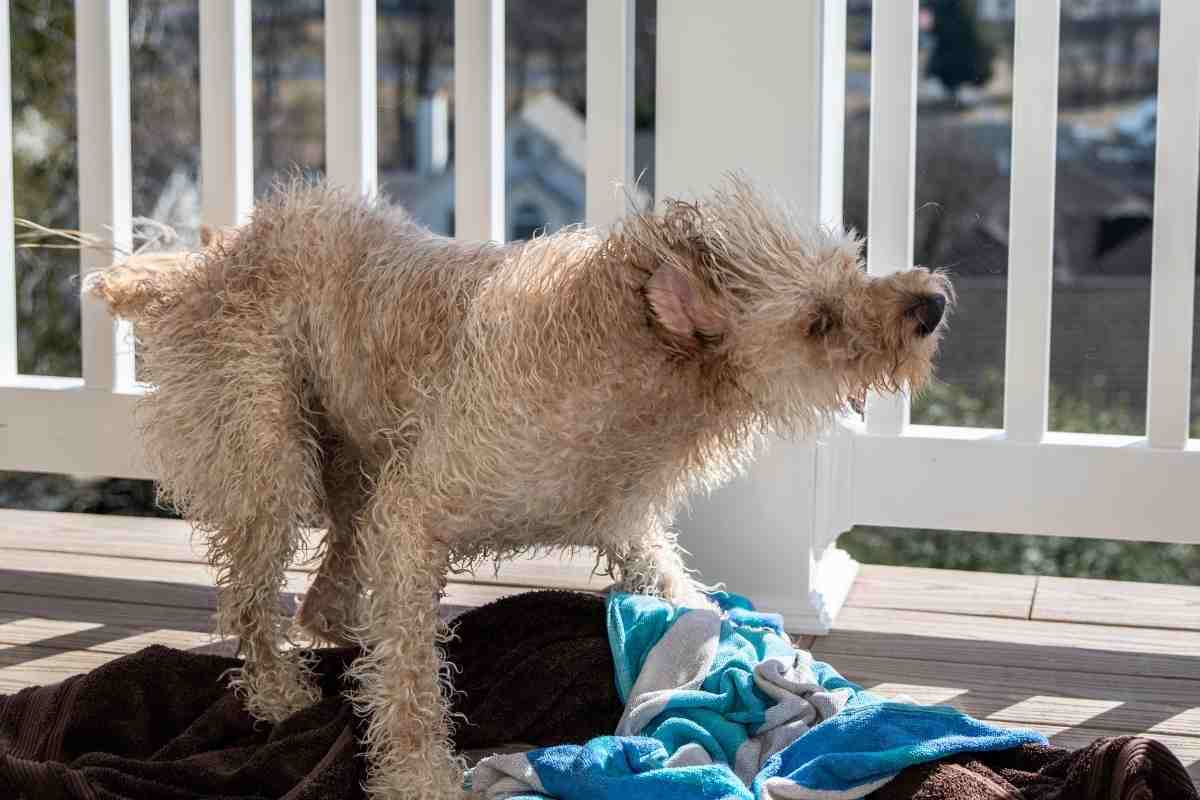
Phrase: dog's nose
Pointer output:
(929, 311)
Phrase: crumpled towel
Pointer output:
(719, 704)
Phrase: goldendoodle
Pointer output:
(438, 402)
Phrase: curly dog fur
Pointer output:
(440, 402)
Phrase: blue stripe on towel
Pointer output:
(720, 705)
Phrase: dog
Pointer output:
(441, 402)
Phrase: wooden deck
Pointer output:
(1075, 659)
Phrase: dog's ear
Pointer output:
(686, 312)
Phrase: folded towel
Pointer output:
(718, 703)
(161, 725)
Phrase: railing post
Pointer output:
(1031, 220)
(226, 146)
(8, 267)
(350, 126)
(1173, 274)
(893, 169)
(609, 107)
(105, 183)
(766, 534)
(479, 119)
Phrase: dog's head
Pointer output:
(785, 313)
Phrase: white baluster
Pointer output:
(1031, 220)
(226, 113)
(1173, 285)
(102, 67)
(892, 168)
(479, 119)
(610, 52)
(351, 155)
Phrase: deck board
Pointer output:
(955, 638)
(1152, 605)
(918, 589)
(1097, 658)
(1019, 695)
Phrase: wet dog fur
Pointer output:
(440, 402)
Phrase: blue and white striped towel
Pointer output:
(719, 704)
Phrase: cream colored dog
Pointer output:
(440, 402)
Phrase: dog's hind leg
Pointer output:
(255, 515)
(334, 604)
(403, 681)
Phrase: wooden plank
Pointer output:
(105, 181)
(226, 112)
(610, 29)
(479, 113)
(166, 583)
(350, 106)
(1131, 703)
(892, 174)
(100, 625)
(8, 265)
(1176, 181)
(122, 617)
(548, 571)
(22, 665)
(1031, 220)
(943, 590)
(51, 634)
(148, 538)
(115, 536)
(1149, 605)
(1015, 643)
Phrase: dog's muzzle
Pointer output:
(928, 313)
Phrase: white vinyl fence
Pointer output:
(755, 87)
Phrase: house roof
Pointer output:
(1131, 257)
(559, 122)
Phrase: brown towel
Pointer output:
(160, 723)
(535, 668)
(1114, 768)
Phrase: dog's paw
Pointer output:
(327, 619)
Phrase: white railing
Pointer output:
(761, 92)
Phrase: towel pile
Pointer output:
(160, 724)
(719, 704)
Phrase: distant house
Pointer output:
(1108, 47)
(1102, 212)
(545, 144)
(1005, 10)
(1100, 228)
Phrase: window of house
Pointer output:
(527, 220)
(522, 148)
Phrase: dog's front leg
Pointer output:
(654, 565)
(402, 679)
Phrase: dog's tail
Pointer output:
(133, 286)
